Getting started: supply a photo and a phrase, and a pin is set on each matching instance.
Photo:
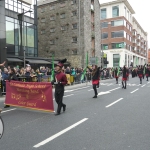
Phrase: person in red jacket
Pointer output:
(60, 81)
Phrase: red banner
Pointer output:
(33, 95)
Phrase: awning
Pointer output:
(37, 61)
(14, 60)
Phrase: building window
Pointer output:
(42, 31)
(63, 28)
(62, 4)
(74, 39)
(116, 58)
(117, 34)
(52, 30)
(52, 7)
(74, 13)
(43, 20)
(74, 26)
(115, 11)
(104, 46)
(52, 18)
(74, 52)
(103, 13)
(73, 1)
(117, 45)
(42, 10)
(125, 11)
(62, 16)
(128, 15)
(104, 25)
(104, 35)
(52, 42)
(117, 23)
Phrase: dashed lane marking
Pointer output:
(114, 103)
(59, 133)
(134, 91)
(143, 85)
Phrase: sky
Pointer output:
(142, 12)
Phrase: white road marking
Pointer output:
(68, 95)
(114, 102)
(109, 84)
(102, 93)
(8, 110)
(64, 96)
(114, 89)
(143, 85)
(90, 90)
(134, 91)
(59, 133)
(77, 89)
(139, 84)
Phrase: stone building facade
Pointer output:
(69, 29)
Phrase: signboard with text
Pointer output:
(33, 95)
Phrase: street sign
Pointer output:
(93, 60)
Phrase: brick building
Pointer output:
(123, 39)
(69, 28)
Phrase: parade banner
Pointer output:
(33, 95)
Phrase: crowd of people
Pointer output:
(93, 73)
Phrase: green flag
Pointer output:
(52, 76)
(84, 71)
(118, 68)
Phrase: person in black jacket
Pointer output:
(12, 76)
(147, 71)
(140, 72)
(124, 77)
(116, 75)
(95, 78)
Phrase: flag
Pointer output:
(52, 76)
(118, 68)
(84, 71)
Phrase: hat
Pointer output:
(27, 65)
(61, 62)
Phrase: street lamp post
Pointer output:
(23, 45)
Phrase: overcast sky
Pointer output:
(142, 13)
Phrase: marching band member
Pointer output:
(124, 77)
(116, 75)
(140, 73)
(60, 81)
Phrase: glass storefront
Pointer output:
(13, 37)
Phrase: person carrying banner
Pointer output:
(2, 65)
(12, 76)
(59, 81)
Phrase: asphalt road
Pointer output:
(117, 120)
